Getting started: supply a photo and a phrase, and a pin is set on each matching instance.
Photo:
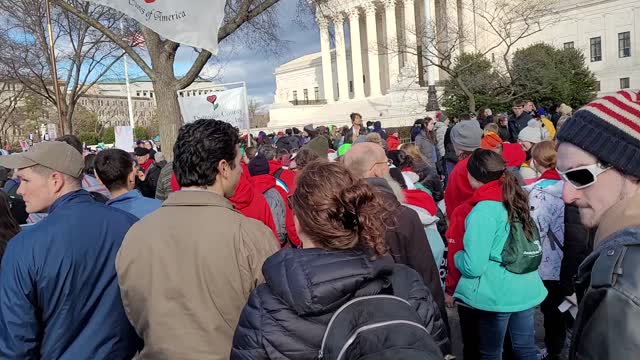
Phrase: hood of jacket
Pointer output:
(513, 154)
(622, 215)
(274, 165)
(491, 191)
(549, 186)
(420, 199)
(315, 280)
(425, 218)
(243, 196)
(262, 183)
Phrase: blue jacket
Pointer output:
(59, 294)
(134, 203)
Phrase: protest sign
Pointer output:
(124, 138)
(229, 106)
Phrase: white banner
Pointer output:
(229, 106)
(124, 138)
(191, 22)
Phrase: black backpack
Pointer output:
(377, 326)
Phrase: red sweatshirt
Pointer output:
(455, 232)
(265, 182)
(513, 154)
(458, 189)
(252, 203)
(287, 176)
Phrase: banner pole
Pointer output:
(54, 66)
(246, 112)
(126, 78)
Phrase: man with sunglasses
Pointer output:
(599, 159)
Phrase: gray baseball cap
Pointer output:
(55, 155)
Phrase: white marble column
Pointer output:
(372, 39)
(356, 53)
(325, 48)
(428, 54)
(410, 38)
(341, 58)
(392, 42)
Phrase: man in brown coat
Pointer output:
(186, 271)
(405, 234)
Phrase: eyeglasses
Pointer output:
(389, 162)
(584, 176)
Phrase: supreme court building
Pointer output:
(373, 61)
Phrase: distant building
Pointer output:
(108, 99)
(348, 75)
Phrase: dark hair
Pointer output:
(268, 151)
(251, 152)
(337, 210)
(113, 167)
(73, 141)
(88, 164)
(199, 149)
(485, 166)
(353, 116)
(400, 159)
(289, 132)
(304, 157)
(520, 103)
(9, 227)
(481, 114)
(296, 131)
(465, 117)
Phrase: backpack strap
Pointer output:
(277, 173)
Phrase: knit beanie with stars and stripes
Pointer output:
(609, 129)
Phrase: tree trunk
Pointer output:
(169, 116)
(470, 96)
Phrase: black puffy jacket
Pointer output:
(286, 317)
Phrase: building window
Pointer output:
(624, 44)
(624, 83)
(305, 93)
(569, 45)
(598, 86)
(295, 95)
(596, 49)
(316, 92)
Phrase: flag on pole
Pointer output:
(191, 22)
(136, 40)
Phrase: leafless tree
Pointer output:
(258, 115)
(83, 54)
(501, 25)
(250, 22)
(11, 95)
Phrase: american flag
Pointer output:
(136, 40)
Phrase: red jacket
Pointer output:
(421, 199)
(513, 154)
(392, 143)
(287, 176)
(455, 232)
(265, 182)
(252, 203)
(458, 189)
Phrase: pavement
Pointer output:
(456, 337)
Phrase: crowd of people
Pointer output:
(331, 243)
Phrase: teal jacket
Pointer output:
(485, 284)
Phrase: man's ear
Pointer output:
(58, 181)
(223, 168)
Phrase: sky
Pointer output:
(239, 63)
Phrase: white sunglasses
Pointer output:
(584, 176)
